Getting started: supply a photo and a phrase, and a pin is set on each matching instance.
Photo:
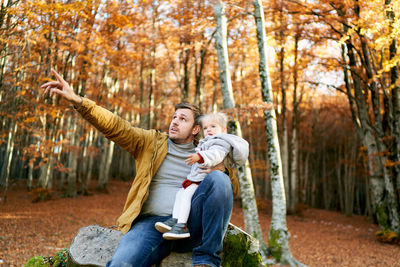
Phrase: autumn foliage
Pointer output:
(334, 67)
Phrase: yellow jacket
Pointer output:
(148, 147)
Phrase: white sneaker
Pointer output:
(178, 231)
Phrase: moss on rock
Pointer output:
(59, 260)
(240, 249)
(37, 261)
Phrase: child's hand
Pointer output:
(192, 159)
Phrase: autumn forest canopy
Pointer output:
(333, 69)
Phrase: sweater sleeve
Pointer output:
(214, 154)
(118, 130)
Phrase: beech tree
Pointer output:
(395, 94)
(278, 236)
(252, 223)
(369, 67)
(386, 207)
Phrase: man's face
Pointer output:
(181, 128)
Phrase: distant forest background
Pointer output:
(334, 73)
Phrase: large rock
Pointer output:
(177, 259)
(94, 246)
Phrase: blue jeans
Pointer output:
(209, 217)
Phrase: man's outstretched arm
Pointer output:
(113, 127)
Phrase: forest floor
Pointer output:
(318, 237)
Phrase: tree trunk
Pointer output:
(150, 103)
(86, 158)
(349, 180)
(139, 115)
(313, 189)
(365, 132)
(106, 159)
(305, 185)
(385, 205)
(43, 166)
(325, 180)
(46, 177)
(108, 162)
(294, 141)
(186, 74)
(29, 183)
(283, 112)
(60, 137)
(252, 224)
(278, 233)
(89, 173)
(394, 77)
(348, 200)
(72, 160)
(379, 174)
(293, 171)
(391, 203)
(5, 170)
(45, 172)
(6, 26)
(91, 155)
(374, 164)
(285, 137)
(152, 81)
(199, 93)
(339, 176)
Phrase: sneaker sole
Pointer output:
(172, 236)
(162, 228)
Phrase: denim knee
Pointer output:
(142, 245)
(218, 182)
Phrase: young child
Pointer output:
(215, 147)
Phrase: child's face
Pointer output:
(212, 127)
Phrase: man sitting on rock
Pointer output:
(161, 169)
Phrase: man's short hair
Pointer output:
(195, 109)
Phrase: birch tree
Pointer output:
(5, 168)
(252, 224)
(278, 237)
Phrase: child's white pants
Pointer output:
(182, 203)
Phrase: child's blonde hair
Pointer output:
(219, 117)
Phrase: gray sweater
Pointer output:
(168, 180)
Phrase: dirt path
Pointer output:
(318, 238)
